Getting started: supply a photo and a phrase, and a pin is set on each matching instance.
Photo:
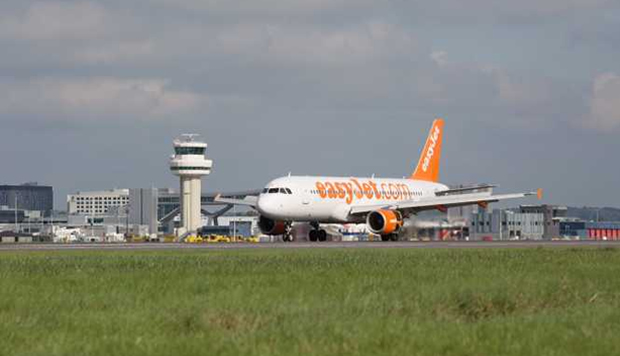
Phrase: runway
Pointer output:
(304, 245)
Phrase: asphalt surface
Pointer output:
(302, 245)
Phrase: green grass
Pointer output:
(287, 302)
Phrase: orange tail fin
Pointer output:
(428, 165)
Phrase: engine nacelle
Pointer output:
(384, 222)
(271, 227)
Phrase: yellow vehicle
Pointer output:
(211, 239)
(252, 239)
(194, 239)
(169, 238)
(138, 239)
(208, 239)
(222, 238)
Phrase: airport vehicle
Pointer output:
(383, 204)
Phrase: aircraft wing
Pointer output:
(475, 188)
(249, 200)
(235, 194)
(441, 202)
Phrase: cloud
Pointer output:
(53, 20)
(440, 58)
(456, 12)
(604, 112)
(100, 98)
(267, 7)
(114, 52)
(341, 46)
(439, 10)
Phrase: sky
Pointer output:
(92, 93)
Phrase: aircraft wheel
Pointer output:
(385, 238)
(288, 234)
(394, 237)
(322, 235)
(313, 235)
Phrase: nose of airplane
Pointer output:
(266, 205)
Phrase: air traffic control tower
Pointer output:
(190, 164)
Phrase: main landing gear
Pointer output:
(389, 237)
(317, 234)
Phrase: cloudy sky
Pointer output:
(92, 93)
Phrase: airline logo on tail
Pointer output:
(428, 165)
(431, 149)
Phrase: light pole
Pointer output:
(500, 223)
(235, 222)
(118, 220)
(51, 223)
(16, 224)
(92, 228)
(126, 221)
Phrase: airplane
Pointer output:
(383, 204)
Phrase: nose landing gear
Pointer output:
(288, 232)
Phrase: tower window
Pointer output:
(189, 150)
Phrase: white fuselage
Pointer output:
(329, 199)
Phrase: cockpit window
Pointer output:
(277, 190)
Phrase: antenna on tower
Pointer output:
(187, 137)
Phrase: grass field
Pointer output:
(287, 302)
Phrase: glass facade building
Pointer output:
(29, 196)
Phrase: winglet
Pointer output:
(539, 193)
(428, 165)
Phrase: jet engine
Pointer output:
(384, 222)
(271, 227)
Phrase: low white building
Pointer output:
(230, 220)
(97, 202)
